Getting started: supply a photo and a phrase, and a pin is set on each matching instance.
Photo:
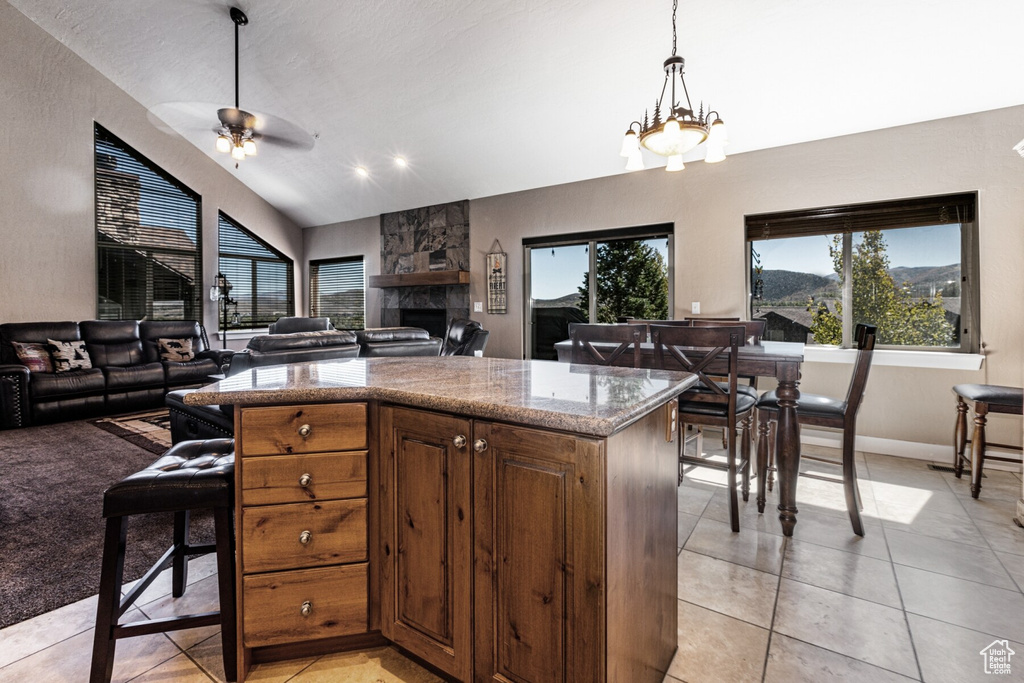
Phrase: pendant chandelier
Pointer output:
(681, 129)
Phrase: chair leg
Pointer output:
(853, 504)
(978, 447)
(959, 437)
(179, 565)
(734, 506)
(225, 532)
(762, 460)
(745, 455)
(109, 605)
(771, 455)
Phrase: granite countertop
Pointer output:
(585, 399)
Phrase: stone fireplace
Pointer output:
(433, 242)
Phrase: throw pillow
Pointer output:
(176, 350)
(35, 357)
(69, 355)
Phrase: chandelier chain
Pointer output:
(675, 6)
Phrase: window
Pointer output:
(907, 266)
(262, 280)
(148, 250)
(602, 276)
(336, 291)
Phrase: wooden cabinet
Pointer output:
(426, 535)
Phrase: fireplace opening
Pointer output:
(433, 321)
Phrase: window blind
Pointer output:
(262, 278)
(903, 213)
(336, 291)
(148, 237)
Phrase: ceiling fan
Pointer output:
(238, 130)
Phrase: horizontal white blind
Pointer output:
(336, 291)
(262, 279)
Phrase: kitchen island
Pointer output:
(498, 519)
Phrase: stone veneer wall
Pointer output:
(422, 240)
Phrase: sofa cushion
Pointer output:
(67, 384)
(192, 372)
(413, 347)
(68, 356)
(112, 342)
(37, 333)
(134, 376)
(177, 350)
(35, 357)
(301, 340)
(152, 331)
(299, 324)
(387, 334)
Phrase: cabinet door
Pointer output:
(427, 529)
(539, 547)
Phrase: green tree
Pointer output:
(901, 319)
(632, 280)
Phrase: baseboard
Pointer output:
(930, 452)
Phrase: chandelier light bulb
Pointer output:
(249, 147)
(223, 144)
(629, 144)
(675, 163)
(237, 153)
(635, 161)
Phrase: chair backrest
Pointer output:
(695, 349)
(464, 337)
(755, 328)
(864, 335)
(583, 335)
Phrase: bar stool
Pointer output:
(192, 475)
(987, 398)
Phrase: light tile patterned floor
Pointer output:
(936, 579)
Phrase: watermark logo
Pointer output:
(997, 657)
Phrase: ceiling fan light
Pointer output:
(249, 147)
(401, 162)
(237, 153)
(362, 172)
(629, 144)
(223, 144)
(675, 163)
(635, 161)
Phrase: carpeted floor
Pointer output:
(51, 526)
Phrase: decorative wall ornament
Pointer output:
(497, 277)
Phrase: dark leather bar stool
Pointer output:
(987, 398)
(192, 475)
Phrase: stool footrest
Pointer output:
(145, 628)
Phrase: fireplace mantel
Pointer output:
(427, 278)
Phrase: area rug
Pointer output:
(150, 430)
(52, 479)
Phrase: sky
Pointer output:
(559, 271)
(937, 245)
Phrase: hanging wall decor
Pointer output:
(497, 275)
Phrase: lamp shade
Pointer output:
(237, 153)
(629, 144)
(635, 162)
(249, 147)
(675, 163)
(223, 144)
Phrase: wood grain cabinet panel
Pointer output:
(303, 478)
(279, 537)
(279, 430)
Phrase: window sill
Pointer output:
(939, 360)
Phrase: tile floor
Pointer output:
(936, 579)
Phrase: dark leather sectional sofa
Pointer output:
(127, 372)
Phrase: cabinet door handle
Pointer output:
(459, 441)
(306, 609)
(305, 537)
(480, 446)
(305, 480)
(305, 431)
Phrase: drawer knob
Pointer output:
(459, 441)
(306, 609)
(480, 446)
(305, 537)
(305, 480)
(305, 431)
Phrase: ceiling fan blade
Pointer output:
(179, 117)
(283, 133)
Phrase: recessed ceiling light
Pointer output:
(361, 170)
(400, 161)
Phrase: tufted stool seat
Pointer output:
(987, 398)
(192, 475)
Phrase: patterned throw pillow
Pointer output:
(35, 357)
(177, 350)
(69, 355)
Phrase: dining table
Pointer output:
(778, 360)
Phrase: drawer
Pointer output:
(273, 535)
(280, 430)
(280, 478)
(337, 605)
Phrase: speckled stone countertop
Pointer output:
(585, 399)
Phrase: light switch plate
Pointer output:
(478, 306)
(695, 307)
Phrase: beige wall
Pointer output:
(50, 98)
(351, 238)
(707, 203)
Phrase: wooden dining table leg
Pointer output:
(787, 443)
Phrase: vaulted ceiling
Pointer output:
(487, 96)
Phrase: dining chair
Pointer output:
(711, 402)
(583, 336)
(822, 411)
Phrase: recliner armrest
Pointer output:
(219, 356)
(14, 410)
(238, 362)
